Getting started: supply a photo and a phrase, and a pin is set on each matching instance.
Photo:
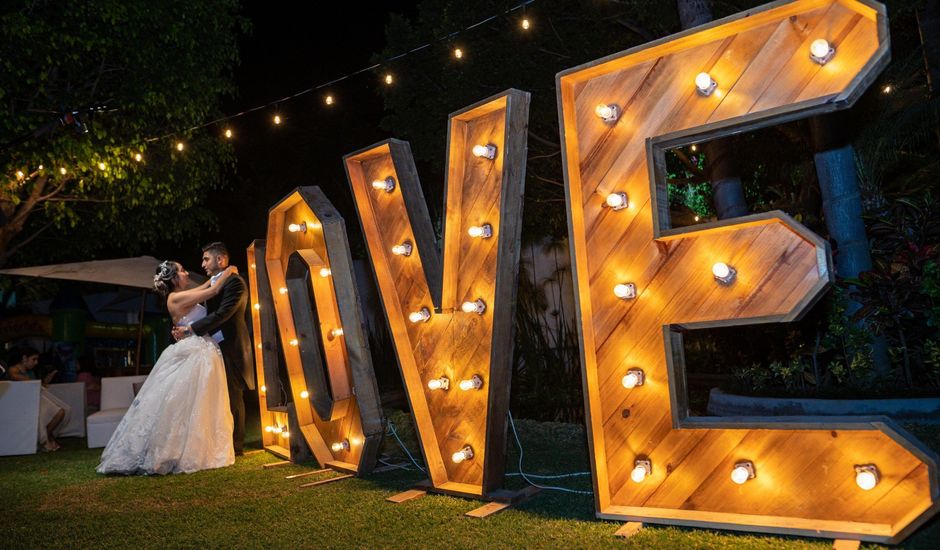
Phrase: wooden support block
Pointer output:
(628, 529)
(276, 464)
(488, 509)
(256, 451)
(410, 494)
(325, 481)
(310, 473)
(843, 544)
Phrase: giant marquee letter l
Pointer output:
(860, 478)
(453, 335)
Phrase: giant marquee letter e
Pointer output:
(453, 335)
(637, 280)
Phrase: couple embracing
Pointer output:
(190, 413)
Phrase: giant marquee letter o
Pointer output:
(651, 461)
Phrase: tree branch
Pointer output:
(12, 250)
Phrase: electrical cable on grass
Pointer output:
(527, 476)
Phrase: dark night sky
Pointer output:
(287, 51)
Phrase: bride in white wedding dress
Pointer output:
(180, 420)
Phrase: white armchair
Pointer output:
(19, 417)
(117, 394)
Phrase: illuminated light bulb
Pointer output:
(442, 383)
(633, 378)
(40, 166)
(607, 113)
(420, 316)
(228, 133)
(387, 185)
(138, 157)
(742, 472)
(694, 148)
(283, 290)
(625, 291)
(180, 146)
(264, 388)
(474, 383)
(62, 171)
(724, 273)
(617, 201)
(259, 346)
(285, 434)
(253, 266)
(277, 119)
(704, 84)
(525, 24)
(403, 249)
(389, 79)
(697, 218)
(867, 476)
(297, 227)
(463, 454)
(328, 99)
(257, 306)
(269, 429)
(821, 51)
(304, 394)
(20, 175)
(325, 272)
(887, 89)
(102, 166)
(458, 53)
(340, 446)
(277, 429)
(487, 151)
(641, 469)
(484, 231)
(479, 306)
(336, 332)
(293, 342)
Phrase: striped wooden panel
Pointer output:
(452, 343)
(334, 368)
(805, 468)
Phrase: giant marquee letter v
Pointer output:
(452, 323)
(636, 280)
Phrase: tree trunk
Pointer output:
(842, 210)
(721, 169)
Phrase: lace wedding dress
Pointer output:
(180, 420)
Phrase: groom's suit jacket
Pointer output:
(227, 314)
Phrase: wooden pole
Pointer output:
(140, 329)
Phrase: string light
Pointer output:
(62, 171)
(340, 446)
(463, 454)
(484, 231)
(20, 175)
(180, 146)
(742, 472)
(704, 84)
(458, 53)
(138, 157)
(887, 89)
(473, 383)
(420, 316)
(724, 273)
(487, 151)
(525, 24)
(625, 291)
(478, 306)
(633, 378)
(694, 147)
(328, 99)
(403, 249)
(442, 383)
(821, 51)
(277, 119)
(102, 166)
(228, 133)
(388, 78)
(642, 468)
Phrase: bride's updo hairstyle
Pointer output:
(163, 280)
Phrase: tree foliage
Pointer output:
(86, 86)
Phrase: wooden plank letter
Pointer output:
(304, 270)
(451, 321)
(636, 279)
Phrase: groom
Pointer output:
(226, 323)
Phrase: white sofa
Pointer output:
(72, 393)
(117, 394)
(19, 417)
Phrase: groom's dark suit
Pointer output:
(227, 314)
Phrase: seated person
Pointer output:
(87, 374)
(53, 412)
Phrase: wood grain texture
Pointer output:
(334, 369)
(805, 482)
(452, 343)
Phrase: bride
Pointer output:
(180, 420)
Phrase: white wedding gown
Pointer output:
(180, 420)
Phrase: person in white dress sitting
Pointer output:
(53, 412)
(180, 419)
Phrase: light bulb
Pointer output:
(336, 332)
(458, 53)
(820, 51)
(442, 383)
(463, 454)
(403, 249)
(228, 133)
(277, 119)
(20, 175)
(138, 157)
(264, 388)
(608, 113)
(474, 383)
(253, 266)
(277, 429)
(887, 89)
(487, 151)
(724, 273)
(325, 272)
(328, 99)
(479, 306)
(258, 306)
(285, 434)
(617, 200)
(102, 166)
(742, 472)
(633, 378)
(304, 394)
(40, 166)
(641, 469)
(525, 24)
(704, 84)
(283, 290)
(297, 227)
(180, 146)
(694, 147)
(484, 231)
(340, 446)
(293, 342)
(867, 476)
(269, 429)
(420, 316)
(259, 345)
(389, 79)
(625, 291)
(62, 171)
(387, 185)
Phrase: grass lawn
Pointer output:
(57, 500)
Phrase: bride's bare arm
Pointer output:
(186, 299)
